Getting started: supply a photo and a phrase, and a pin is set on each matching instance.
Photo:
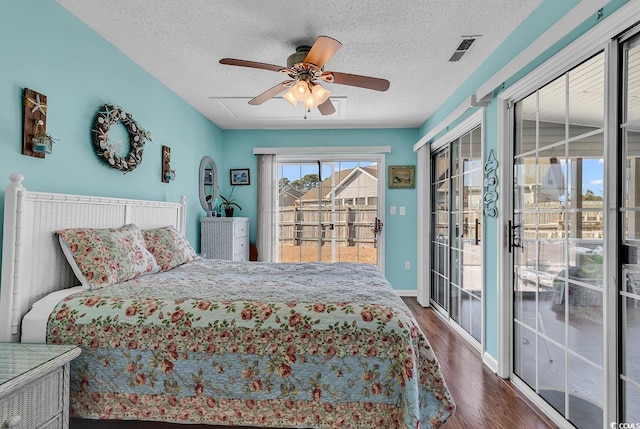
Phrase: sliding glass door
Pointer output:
(557, 239)
(328, 211)
(576, 283)
(456, 235)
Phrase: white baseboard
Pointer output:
(490, 361)
(407, 292)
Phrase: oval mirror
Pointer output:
(208, 182)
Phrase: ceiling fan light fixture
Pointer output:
(310, 103)
(290, 97)
(320, 94)
(301, 91)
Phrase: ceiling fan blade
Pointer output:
(323, 48)
(269, 93)
(356, 80)
(327, 108)
(250, 64)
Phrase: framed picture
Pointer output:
(240, 176)
(402, 176)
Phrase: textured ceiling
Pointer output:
(408, 43)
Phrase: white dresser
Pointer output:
(224, 238)
(34, 385)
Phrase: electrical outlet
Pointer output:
(402, 211)
(407, 265)
(392, 210)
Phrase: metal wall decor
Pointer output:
(110, 152)
(491, 186)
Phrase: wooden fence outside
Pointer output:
(353, 225)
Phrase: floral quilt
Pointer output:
(256, 344)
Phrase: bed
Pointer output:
(215, 342)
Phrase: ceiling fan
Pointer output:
(305, 69)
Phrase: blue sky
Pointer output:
(592, 175)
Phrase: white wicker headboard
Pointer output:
(32, 262)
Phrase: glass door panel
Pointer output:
(557, 237)
(630, 213)
(457, 259)
(299, 226)
(440, 196)
(471, 237)
(327, 211)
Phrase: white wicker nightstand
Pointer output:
(224, 238)
(34, 385)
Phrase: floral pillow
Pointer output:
(102, 257)
(169, 247)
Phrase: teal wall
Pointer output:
(536, 24)
(45, 48)
(400, 231)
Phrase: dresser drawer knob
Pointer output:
(13, 421)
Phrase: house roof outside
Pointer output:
(289, 196)
(341, 179)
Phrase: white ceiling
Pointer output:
(408, 43)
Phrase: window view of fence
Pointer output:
(329, 220)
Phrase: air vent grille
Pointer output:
(465, 44)
(462, 48)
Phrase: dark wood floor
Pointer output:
(483, 399)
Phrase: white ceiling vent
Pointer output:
(462, 48)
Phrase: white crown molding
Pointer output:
(320, 150)
(455, 114)
(586, 45)
(561, 28)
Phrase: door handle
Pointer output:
(377, 226)
(477, 231)
(513, 237)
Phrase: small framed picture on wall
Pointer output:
(240, 176)
(401, 176)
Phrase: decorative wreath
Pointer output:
(110, 152)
